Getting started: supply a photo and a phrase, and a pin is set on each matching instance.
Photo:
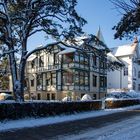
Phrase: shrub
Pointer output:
(13, 110)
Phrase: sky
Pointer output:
(98, 13)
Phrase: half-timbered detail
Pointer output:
(68, 70)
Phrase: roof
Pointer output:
(124, 50)
(100, 36)
(67, 50)
(112, 58)
(31, 57)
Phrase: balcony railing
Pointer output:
(43, 69)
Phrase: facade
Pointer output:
(127, 77)
(60, 71)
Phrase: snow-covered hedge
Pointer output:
(117, 103)
(13, 110)
(122, 95)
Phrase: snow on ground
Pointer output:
(34, 122)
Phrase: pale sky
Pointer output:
(97, 13)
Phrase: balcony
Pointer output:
(43, 69)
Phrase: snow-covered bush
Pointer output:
(86, 97)
(122, 95)
(66, 99)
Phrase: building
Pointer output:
(128, 76)
(60, 71)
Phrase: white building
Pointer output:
(127, 77)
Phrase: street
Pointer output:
(116, 125)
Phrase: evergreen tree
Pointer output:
(129, 25)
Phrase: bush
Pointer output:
(13, 110)
(121, 103)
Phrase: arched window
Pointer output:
(139, 74)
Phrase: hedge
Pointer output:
(121, 103)
(16, 110)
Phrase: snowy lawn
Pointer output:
(32, 122)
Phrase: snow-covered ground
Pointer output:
(32, 122)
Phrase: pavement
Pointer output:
(55, 131)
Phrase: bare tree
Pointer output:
(129, 25)
(20, 19)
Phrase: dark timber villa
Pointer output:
(61, 71)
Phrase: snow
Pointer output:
(34, 122)
(65, 99)
(122, 95)
(31, 57)
(86, 97)
(67, 50)
(124, 50)
(124, 130)
(112, 58)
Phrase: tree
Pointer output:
(20, 19)
(4, 74)
(129, 25)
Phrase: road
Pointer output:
(111, 127)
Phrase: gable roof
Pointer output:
(125, 50)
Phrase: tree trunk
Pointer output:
(17, 85)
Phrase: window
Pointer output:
(38, 96)
(33, 64)
(55, 58)
(76, 80)
(48, 79)
(134, 72)
(76, 58)
(81, 59)
(32, 83)
(68, 58)
(81, 78)
(68, 78)
(139, 74)
(53, 96)
(94, 80)
(103, 81)
(48, 96)
(94, 96)
(86, 79)
(138, 87)
(41, 61)
(94, 60)
(134, 85)
(53, 78)
(39, 81)
(125, 71)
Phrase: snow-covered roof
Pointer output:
(31, 57)
(112, 58)
(124, 50)
(67, 50)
